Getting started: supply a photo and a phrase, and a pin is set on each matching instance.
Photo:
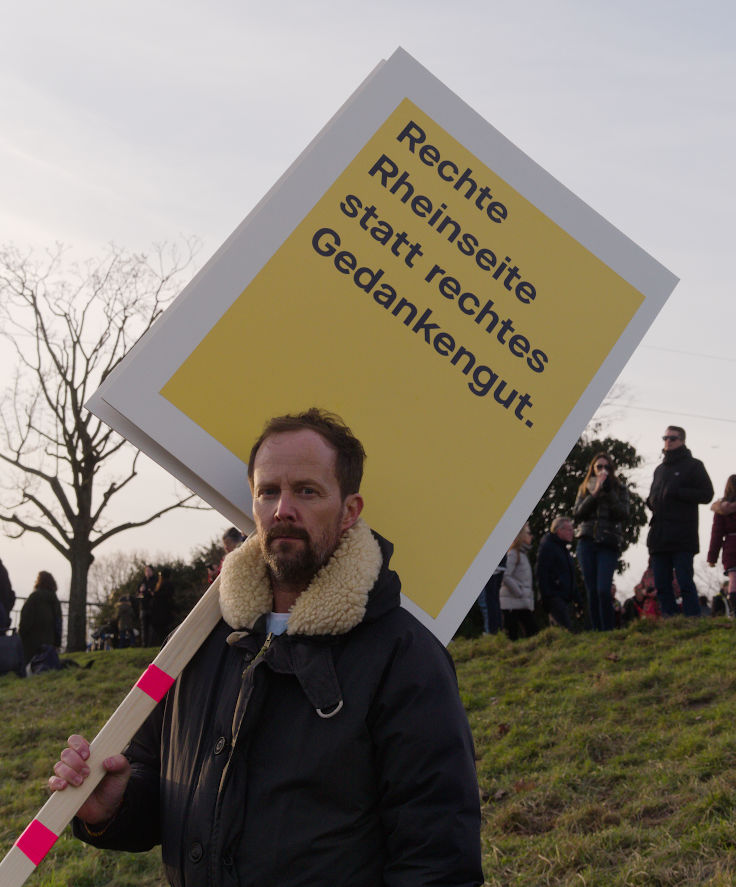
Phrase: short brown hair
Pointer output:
(680, 431)
(349, 451)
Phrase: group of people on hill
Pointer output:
(34, 647)
(143, 619)
(146, 618)
(679, 485)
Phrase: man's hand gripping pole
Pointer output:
(51, 820)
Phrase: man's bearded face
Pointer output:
(298, 508)
(292, 556)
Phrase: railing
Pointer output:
(91, 608)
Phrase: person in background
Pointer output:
(616, 604)
(633, 609)
(556, 572)
(7, 599)
(489, 601)
(125, 621)
(232, 539)
(40, 619)
(643, 604)
(517, 590)
(601, 506)
(720, 605)
(723, 537)
(213, 571)
(145, 601)
(679, 485)
(162, 608)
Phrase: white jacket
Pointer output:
(517, 591)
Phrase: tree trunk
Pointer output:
(80, 559)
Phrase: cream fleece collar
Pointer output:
(335, 601)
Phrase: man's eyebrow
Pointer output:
(307, 482)
(299, 482)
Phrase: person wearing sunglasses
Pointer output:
(601, 506)
(679, 485)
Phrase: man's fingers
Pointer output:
(115, 764)
(73, 759)
(71, 768)
(64, 776)
(69, 774)
(80, 745)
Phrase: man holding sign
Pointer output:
(317, 737)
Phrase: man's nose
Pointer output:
(285, 507)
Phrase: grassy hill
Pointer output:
(603, 760)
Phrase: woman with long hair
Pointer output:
(40, 618)
(517, 590)
(723, 537)
(601, 506)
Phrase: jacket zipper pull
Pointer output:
(259, 655)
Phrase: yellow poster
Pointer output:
(449, 321)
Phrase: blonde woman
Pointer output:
(601, 506)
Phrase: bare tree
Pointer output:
(70, 324)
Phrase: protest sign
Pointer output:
(416, 273)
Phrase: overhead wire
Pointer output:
(631, 406)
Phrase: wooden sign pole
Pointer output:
(51, 820)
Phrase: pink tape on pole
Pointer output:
(155, 682)
(36, 841)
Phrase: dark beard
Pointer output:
(296, 568)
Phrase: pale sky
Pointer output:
(137, 122)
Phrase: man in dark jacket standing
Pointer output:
(317, 737)
(680, 484)
(556, 571)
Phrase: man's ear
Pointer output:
(351, 508)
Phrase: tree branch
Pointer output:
(30, 528)
(142, 523)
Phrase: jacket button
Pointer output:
(227, 861)
(220, 745)
(196, 851)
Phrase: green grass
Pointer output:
(603, 760)
(606, 759)
(37, 716)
